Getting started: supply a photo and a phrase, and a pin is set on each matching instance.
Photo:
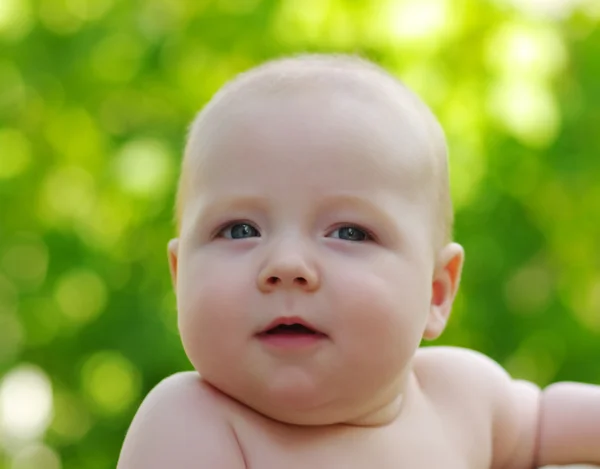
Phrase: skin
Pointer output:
(296, 177)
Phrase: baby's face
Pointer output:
(312, 209)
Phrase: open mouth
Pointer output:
(292, 334)
(290, 329)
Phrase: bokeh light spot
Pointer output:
(73, 132)
(36, 456)
(81, 295)
(68, 194)
(111, 382)
(25, 403)
(521, 49)
(553, 9)
(527, 110)
(113, 215)
(418, 19)
(144, 168)
(16, 19)
(591, 8)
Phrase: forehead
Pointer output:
(330, 134)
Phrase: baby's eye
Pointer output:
(239, 231)
(351, 233)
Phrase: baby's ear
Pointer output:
(446, 279)
(172, 252)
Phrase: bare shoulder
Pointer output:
(457, 367)
(467, 371)
(477, 386)
(181, 424)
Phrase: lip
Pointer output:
(291, 343)
(288, 321)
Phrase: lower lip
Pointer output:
(291, 341)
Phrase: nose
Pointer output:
(288, 267)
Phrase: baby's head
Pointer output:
(351, 82)
(314, 190)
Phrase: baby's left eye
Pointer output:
(351, 233)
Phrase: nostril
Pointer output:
(274, 281)
(301, 280)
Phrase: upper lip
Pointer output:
(288, 321)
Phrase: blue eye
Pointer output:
(351, 233)
(239, 231)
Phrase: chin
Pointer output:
(290, 400)
(296, 389)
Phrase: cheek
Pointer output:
(212, 316)
(384, 307)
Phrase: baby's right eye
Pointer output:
(238, 231)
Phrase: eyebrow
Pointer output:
(386, 225)
(362, 203)
(207, 208)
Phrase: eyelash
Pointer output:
(368, 233)
(219, 231)
(370, 237)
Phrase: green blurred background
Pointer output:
(95, 99)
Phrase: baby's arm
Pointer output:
(569, 429)
(529, 427)
(179, 425)
(562, 422)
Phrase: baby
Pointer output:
(314, 254)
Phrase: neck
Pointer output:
(393, 405)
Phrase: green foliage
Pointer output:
(95, 99)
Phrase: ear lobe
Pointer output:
(445, 284)
(173, 252)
